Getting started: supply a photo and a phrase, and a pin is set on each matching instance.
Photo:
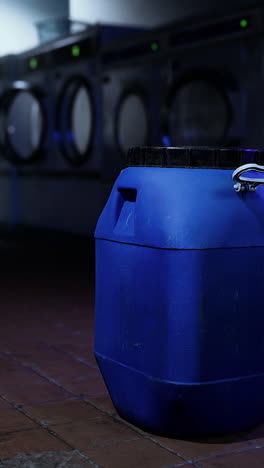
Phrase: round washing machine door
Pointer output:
(197, 113)
(23, 125)
(75, 121)
(132, 122)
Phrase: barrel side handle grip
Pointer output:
(250, 184)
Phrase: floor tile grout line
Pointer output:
(182, 464)
(74, 357)
(252, 446)
(56, 348)
(46, 426)
(219, 455)
(46, 402)
(42, 425)
(112, 444)
(40, 403)
(89, 459)
(152, 438)
(142, 433)
(243, 439)
(178, 465)
(54, 434)
(70, 422)
(83, 455)
(42, 374)
(38, 372)
(12, 405)
(223, 454)
(169, 450)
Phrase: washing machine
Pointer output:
(7, 74)
(78, 95)
(8, 197)
(27, 113)
(211, 69)
(27, 132)
(133, 84)
(55, 116)
(191, 82)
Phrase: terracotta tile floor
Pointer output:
(54, 406)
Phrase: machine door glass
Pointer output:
(199, 114)
(132, 122)
(24, 125)
(81, 119)
(76, 121)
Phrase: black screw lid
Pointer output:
(192, 157)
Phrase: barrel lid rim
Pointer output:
(192, 156)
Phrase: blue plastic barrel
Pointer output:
(179, 334)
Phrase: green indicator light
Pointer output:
(75, 50)
(33, 63)
(154, 46)
(243, 23)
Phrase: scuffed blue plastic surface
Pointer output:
(179, 298)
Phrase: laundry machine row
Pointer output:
(194, 74)
(203, 86)
(53, 131)
(53, 105)
(184, 84)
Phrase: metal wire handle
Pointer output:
(247, 183)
